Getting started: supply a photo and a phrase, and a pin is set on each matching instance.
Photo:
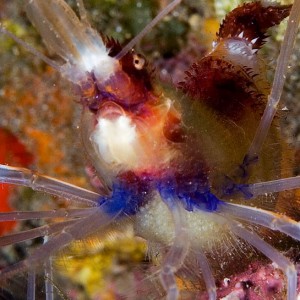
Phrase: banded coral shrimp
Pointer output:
(182, 197)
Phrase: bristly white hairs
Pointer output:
(79, 45)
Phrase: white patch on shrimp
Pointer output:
(97, 61)
(117, 141)
(92, 58)
(238, 51)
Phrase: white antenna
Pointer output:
(136, 39)
(278, 82)
(30, 49)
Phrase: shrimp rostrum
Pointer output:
(190, 169)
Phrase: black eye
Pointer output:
(138, 61)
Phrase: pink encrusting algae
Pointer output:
(200, 173)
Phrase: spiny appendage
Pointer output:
(223, 86)
(251, 21)
(229, 78)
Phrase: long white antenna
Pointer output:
(279, 79)
(30, 49)
(136, 39)
(82, 12)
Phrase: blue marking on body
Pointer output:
(127, 196)
(230, 185)
(231, 188)
(130, 196)
(193, 194)
(204, 200)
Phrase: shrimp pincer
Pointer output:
(189, 170)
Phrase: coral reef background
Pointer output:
(40, 109)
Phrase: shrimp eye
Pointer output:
(138, 61)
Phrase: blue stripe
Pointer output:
(130, 196)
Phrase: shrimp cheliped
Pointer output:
(187, 169)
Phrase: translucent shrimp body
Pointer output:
(176, 168)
